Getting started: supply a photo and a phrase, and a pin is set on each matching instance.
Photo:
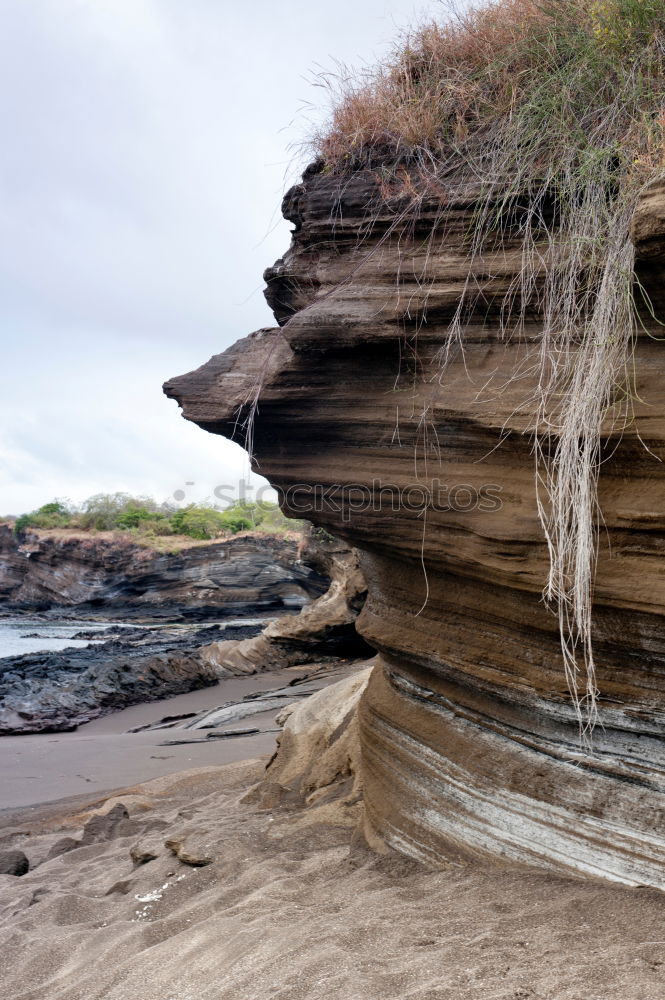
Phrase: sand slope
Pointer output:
(292, 909)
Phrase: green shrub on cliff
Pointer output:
(198, 522)
(134, 517)
(56, 514)
(553, 113)
(209, 522)
(146, 518)
(235, 521)
(109, 511)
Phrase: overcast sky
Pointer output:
(145, 145)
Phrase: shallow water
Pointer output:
(26, 635)
(23, 635)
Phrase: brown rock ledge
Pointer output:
(469, 739)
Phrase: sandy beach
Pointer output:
(103, 754)
(290, 907)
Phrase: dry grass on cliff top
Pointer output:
(167, 544)
(544, 71)
(555, 109)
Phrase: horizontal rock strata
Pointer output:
(247, 573)
(470, 742)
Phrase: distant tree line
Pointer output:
(145, 516)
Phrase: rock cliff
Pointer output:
(470, 743)
(60, 690)
(323, 630)
(86, 572)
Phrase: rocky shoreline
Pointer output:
(57, 691)
(113, 576)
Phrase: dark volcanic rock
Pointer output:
(87, 573)
(112, 632)
(13, 863)
(56, 691)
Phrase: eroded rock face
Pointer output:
(243, 574)
(317, 762)
(322, 631)
(470, 742)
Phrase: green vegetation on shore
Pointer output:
(146, 518)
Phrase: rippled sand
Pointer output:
(292, 908)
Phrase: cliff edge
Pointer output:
(470, 739)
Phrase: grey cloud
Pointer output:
(144, 157)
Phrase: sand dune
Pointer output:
(292, 908)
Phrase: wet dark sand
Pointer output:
(101, 755)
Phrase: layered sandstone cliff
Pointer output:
(470, 742)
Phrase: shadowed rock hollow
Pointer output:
(470, 743)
